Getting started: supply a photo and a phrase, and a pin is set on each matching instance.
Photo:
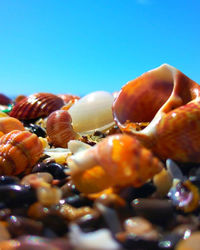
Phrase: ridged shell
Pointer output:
(19, 151)
(118, 160)
(92, 112)
(162, 109)
(59, 128)
(36, 105)
(7, 124)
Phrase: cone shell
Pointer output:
(36, 105)
(7, 124)
(59, 128)
(161, 108)
(19, 151)
(118, 160)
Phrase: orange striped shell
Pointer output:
(161, 108)
(36, 105)
(59, 128)
(19, 151)
(118, 160)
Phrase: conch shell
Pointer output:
(162, 109)
(117, 161)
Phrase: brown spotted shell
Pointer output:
(19, 151)
(59, 128)
(36, 105)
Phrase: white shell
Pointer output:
(92, 112)
(100, 239)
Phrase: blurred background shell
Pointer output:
(7, 124)
(92, 112)
(36, 105)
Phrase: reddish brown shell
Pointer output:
(162, 109)
(118, 160)
(19, 151)
(7, 124)
(4, 100)
(59, 128)
(36, 105)
(67, 97)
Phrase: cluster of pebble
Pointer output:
(43, 209)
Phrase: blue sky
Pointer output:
(79, 46)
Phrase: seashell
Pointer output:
(162, 109)
(4, 100)
(36, 105)
(7, 124)
(19, 151)
(118, 160)
(59, 128)
(67, 97)
(92, 112)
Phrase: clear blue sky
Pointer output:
(79, 46)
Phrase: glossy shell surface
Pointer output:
(59, 128)
(36, 105)
(118, 160)
(162, 109)
(19, 151)
(92, 112)
(7, 124)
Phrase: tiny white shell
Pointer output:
(92, 112)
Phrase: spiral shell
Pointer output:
(118, 160)
(19, 151)
(36, 105)
(162, 109)
(59, 128)
(7, 124)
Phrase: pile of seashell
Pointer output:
(105, 171)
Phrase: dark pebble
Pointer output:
(131, 193)
(55, 169)
(69, 188)
(56, 223)
(157, 211)
(90, 222)
(18, 226)
(135, 242)
(36, 129)
(6, 180)
(12, 196)
(78, 201)
(169, 241)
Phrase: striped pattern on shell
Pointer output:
(19, 151)
(36, 105)
(59, 128)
